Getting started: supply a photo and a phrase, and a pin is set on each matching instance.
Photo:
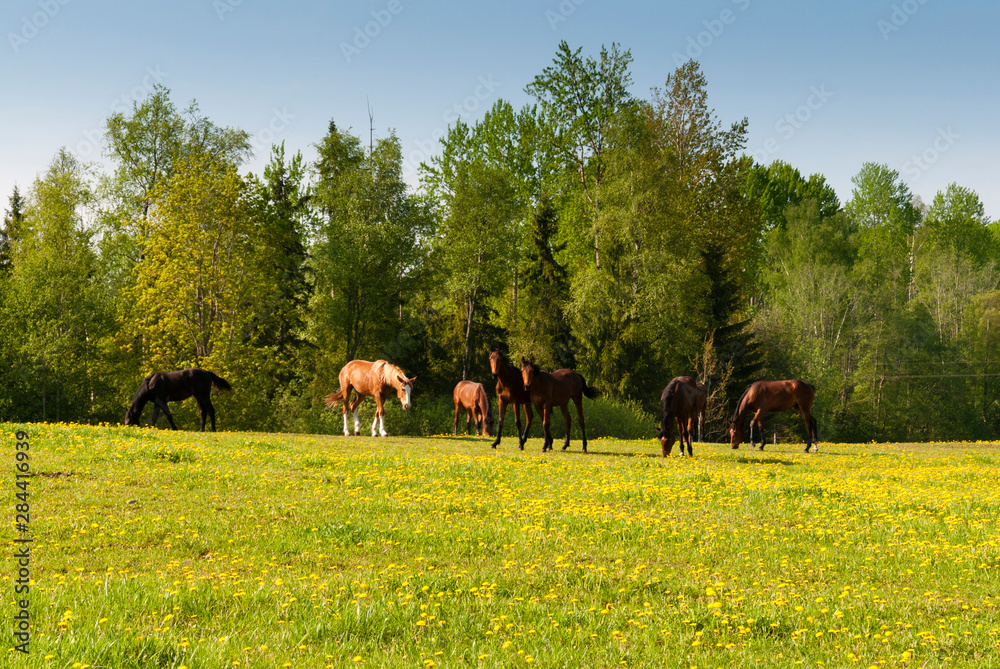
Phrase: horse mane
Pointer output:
(735, 420)
(668, 395)
(388, 373)
(142, 394)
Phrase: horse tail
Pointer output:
(331, 400)
(219, 382)
(589, 391)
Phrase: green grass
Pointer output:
(170, 549)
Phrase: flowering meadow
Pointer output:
(176, 549)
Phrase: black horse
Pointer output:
(162, 387)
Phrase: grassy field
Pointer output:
(175, 549)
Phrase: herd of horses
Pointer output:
(683, 401)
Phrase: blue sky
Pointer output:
(826, 86)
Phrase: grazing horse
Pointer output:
(162, 387)
(683, 400)
(764, 397)
(370, 379)
(472, 397)
(556, 390)
(510, 390)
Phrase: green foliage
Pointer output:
(367, 261)
(627, 238)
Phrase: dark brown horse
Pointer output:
(162, 387)
(683, 400)
(763, 397)
(472, 397)
(370, 379)
(556, 390)
(510, 390)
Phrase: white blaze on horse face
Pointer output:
(406, 396)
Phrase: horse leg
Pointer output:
(565, 412)
(684, 429)
(156, 414)
(811, 437)
(522, 436)
(502, 410)
(211, 412)
(458, 409)
(469, 419)
(546, 411)
(583, 424)
(690, 422)
(354, 410)
(166, 412)
(348, 406)
(759, 419)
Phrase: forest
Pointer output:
(631, 239)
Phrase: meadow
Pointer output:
(168, 549)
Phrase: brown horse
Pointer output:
(556, 390)
(472, 397)
(683, 400)
(510, 390)
(763, 397)
(370, 379)
(162, 387)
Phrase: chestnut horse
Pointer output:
(510, 390)
(556, 390)
(472, 397)
(683, 400)
(370, 379)
(763, 397)
(162, 387)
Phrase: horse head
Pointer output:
(528, 371)
(735, 434)
(130, 417)
(496, 361)
(404, 390)
(666, 438)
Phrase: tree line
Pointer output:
(631, 239)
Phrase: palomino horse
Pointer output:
(472, 397)
(683, 400)
(556, 390)
(370, 379)
(510, 390)
(764, 397)
(162, 387)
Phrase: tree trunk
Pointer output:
(470, 303)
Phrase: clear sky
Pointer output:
(826, 86)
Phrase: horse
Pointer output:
(370, 379)
(683, 400)
(162, 387)
(556, 389)
(510, 390)
(472, 397)
(763, 397)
